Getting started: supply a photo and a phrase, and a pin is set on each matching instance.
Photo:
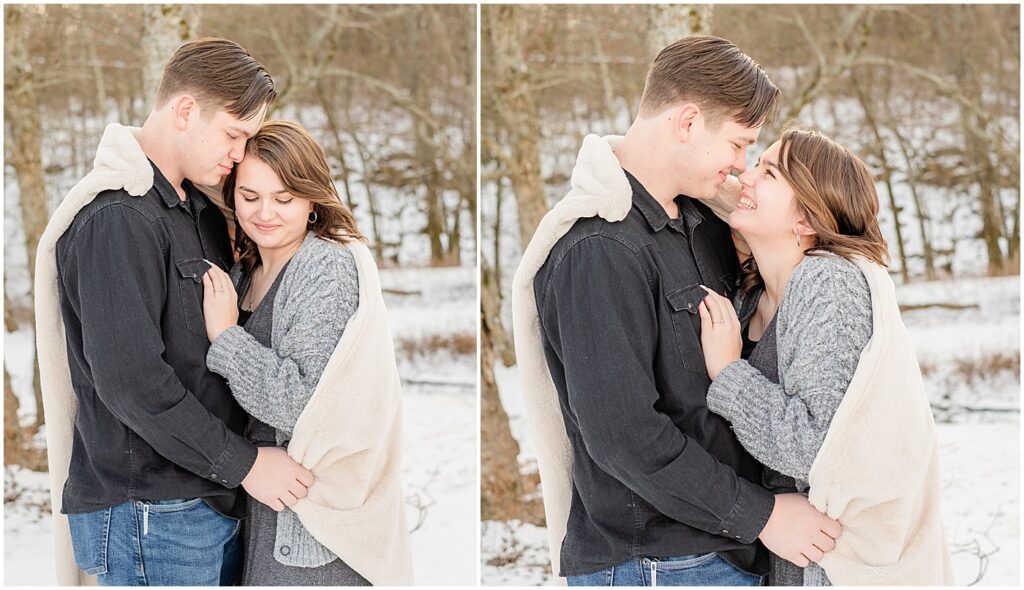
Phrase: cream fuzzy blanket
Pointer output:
(356, 507)
(877, 471)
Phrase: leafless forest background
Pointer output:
(927, 95)
(388, 91)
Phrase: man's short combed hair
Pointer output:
(713, 73)
(218, 73)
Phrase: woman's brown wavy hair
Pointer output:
(835, 191)
(300, 163)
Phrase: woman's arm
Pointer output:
(274, 385)
(824, 324)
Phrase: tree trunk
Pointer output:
(23, 143)
(668, 23)
(922, 213)
(517, 112)
(425, 152)
(14, 435)
(869, 118)
(501, 484)
(604, 74)
(974, 121)
(165, 28)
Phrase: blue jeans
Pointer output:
(158, 543)
(708, 569)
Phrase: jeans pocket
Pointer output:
(708, 569)
(604, 577)
(666, 564)
(89, 535)
(173, 505)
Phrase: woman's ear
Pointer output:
(803, 228)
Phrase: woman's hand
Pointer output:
(220, 302)
(719, 333)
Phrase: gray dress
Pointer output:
(781, 399)
(765, 358)
(260, 528)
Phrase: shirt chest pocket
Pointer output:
(190, 287)
(683, 304)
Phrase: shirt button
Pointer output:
(725, 532)
(213, 476)
(737, 536)
(285, 550)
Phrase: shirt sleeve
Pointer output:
(599, 315)
(114, 274)
(274, 385)
(827, 324)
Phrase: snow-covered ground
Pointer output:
(440, 443)
(974, 384)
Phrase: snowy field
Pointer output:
(440, 444)
(973, 381)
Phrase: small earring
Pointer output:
(314, 216)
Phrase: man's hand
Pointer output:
(276, 480)
(797, 532)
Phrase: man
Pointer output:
(157, 448)
(607, 327)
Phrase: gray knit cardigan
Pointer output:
(317, 295)
(823, 324)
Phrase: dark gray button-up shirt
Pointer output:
(655, 474)
(153, 422)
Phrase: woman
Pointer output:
(783, 363)
(274, 325)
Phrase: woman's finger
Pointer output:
(715, 307)
(207, 285)
(705, 315)
(730, 313)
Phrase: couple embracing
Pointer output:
(716, 375)
(222, 400)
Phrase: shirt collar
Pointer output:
(690, 216)
(195, 201)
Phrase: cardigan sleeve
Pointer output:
(275, 384)
(823, 326)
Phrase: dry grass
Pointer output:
(972, 370)
(457, 344)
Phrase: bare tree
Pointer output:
(501, 485)
(15, 437)
(512, 103)
(868, 107)
(165, 28)
(22, 142)
(667, 23)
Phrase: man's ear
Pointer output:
(184, 109)
(685, 121)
